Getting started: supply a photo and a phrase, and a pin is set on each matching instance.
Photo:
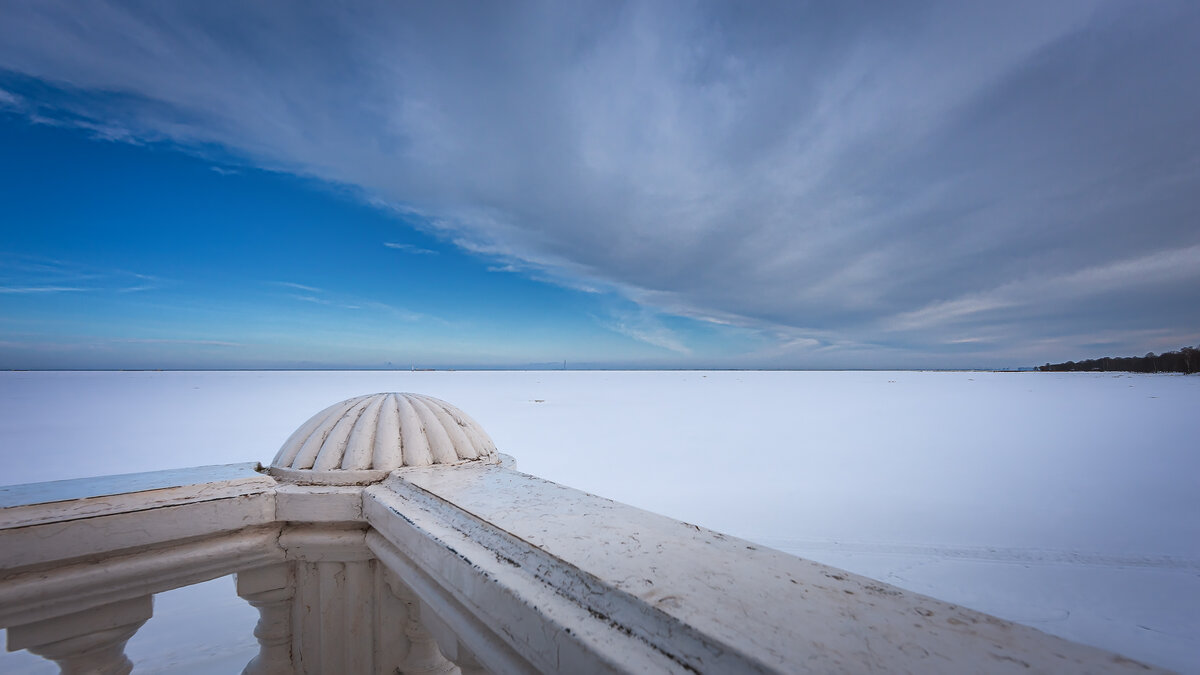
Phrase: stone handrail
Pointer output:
(466, 567)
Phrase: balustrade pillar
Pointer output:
(91, 641)
(270, 591)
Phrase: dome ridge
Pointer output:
(362, 439)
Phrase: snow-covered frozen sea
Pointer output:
(1066, 501)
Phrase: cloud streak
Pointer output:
(298, 287)
(26, 290)
(166, 341)
(30, 275)
(920, 174)
(409, 248)
(1041, 295)
(319, 296)
(645, 327)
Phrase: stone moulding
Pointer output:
(462, 566)
(360, 440)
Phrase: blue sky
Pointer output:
(946, 184)
(147, 255)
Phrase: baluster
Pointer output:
(467, 663)
(91, 641)
(270, 591)
(424, 656)
(448, 643)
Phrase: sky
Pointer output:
(614, 185)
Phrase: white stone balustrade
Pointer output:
(88, 641)
(388, 536)
(271, 591)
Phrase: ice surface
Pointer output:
(1066, 501)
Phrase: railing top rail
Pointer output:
(707, 600)
(29, 494)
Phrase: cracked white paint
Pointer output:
(703, 600)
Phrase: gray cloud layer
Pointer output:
(1015, 179)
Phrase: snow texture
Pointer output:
(1066, 501)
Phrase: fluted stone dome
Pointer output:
(362, 439)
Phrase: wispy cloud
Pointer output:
(299, 287)
(1035, 295)
(98, 130)
(644, 326)
(21, 290)
(409, 248)
(819, 168)
(31, 275)
(168, 341)
(398, 312)
(311, 298)
(318, 296)
(324, 301)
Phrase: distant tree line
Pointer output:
(1186, 360)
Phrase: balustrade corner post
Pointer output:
(270, 590)
(91, 641)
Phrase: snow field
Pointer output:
(1066, 501)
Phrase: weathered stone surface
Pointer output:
(36, 503)
(88, 641)
(318, 503)
(360, 440)
(706, 601)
